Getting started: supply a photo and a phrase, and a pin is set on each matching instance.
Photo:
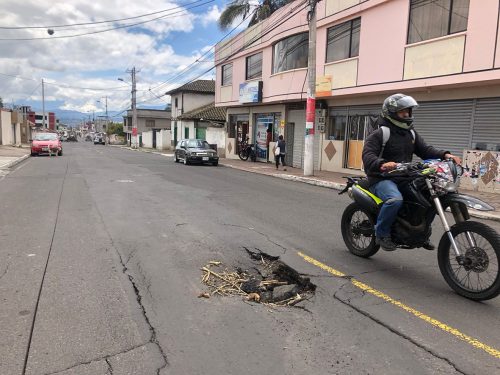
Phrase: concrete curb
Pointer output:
(17, 161)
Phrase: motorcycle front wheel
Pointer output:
(358, 231)
(478, 275)
(243, 154)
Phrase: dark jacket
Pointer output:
(282, 146)
(399, 148)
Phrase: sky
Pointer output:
(169, 47)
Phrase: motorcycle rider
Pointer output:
(397, 115)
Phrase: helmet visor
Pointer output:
(406, 102)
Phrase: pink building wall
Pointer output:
(384, 28)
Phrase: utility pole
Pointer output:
(43, 104)
(311, 93)
(134, 142)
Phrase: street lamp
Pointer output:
(134, 143)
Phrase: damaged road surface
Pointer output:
(195, 270)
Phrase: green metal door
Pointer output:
(201, 133)
(186, 133)
(175, 134)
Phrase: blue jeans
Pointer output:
(388, 191)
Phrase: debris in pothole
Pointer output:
(268, 281)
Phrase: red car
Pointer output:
(46, 143)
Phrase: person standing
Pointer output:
(281, 144)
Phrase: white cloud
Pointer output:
(95, 60)
(211, 16)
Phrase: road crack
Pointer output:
(400, 334)
(256, 231)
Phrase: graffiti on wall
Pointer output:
(481, 171)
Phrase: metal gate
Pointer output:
(289, 139)
(298, 118)
(486, 134)
(445, 124)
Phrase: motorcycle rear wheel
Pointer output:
(479, 278)
(243, 154)
(358, 231)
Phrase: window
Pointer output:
(254, 66)
(150, 123)
(336, 128)
(227, 74)
(176, 103)
(434, 18)
(291, 53)
(343, 40)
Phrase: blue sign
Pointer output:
(251, 92)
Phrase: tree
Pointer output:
(1, 102)
(115, 128)
(242, 8)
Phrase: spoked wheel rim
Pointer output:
(480, 268)
(360, 230)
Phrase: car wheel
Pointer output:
(215, 163)
(34, 153)
(60, 153)
(186, 162)
(176, 158)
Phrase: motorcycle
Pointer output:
(247, 150)
(468, 252)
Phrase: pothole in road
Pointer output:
(266, 280)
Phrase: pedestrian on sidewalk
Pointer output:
(281, 145)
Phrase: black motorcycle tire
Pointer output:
(445, 247)
(243, 154)
(372, 247)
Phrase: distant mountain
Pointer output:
(75, 118)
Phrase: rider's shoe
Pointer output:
(386, 243)
(428, 245)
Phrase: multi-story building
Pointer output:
(147, 120)
(442, 52)
(187, 98)
(37, 119)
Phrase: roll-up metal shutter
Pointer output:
(445, 124)
(486, 133)
(299, 119)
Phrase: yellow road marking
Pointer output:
(426, 318)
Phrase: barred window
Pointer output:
(291, 53)
(435, 18)
(343, 40)
(227, 74)
(254, 66)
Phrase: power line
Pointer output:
(109, 29)
(93, 23)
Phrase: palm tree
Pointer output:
(242, 8)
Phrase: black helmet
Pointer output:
(395, 103)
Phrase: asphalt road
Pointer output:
(100, 273)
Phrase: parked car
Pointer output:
(99, 138)
(46, 143)
(195, 151)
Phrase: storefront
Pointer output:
(453, 125)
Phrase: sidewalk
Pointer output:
(11, 155)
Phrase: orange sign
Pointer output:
(324, 86)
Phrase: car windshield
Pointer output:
(196, 143)
(45, 137)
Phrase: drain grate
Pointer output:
(268, 280)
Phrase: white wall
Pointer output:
(217, 136)
(6, 120)
(147, 139)
(163, 140)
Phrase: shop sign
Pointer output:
(250, 92)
